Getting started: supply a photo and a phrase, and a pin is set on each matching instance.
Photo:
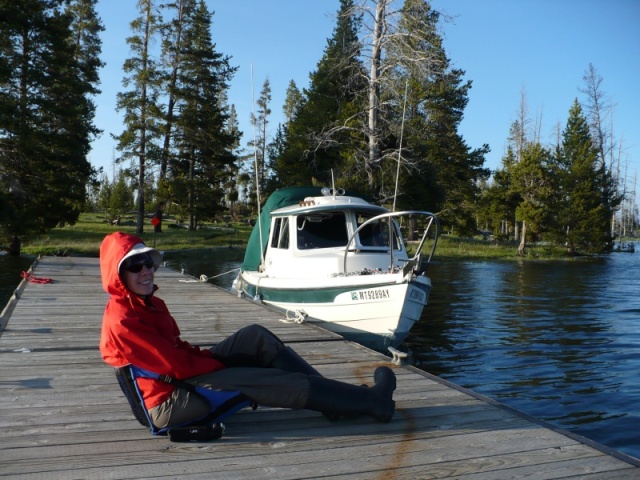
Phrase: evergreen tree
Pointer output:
(585, 217)
(103, 197)
(293, 100)
(322, 133)
(47, 77)
(275, 150)
(120, 195)
(500, 199)
(260, 121)
(599, 115)
(349, 120)
(86, 28)
(141, 102)
(173, 44)
(231, 185)
(441, 172)
(204, 142)
(532, 182)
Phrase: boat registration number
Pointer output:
(375, 294)
(418, 295)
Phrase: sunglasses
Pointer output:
(139, 263)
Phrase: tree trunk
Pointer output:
(413, 227)
(143, 125)
(171, 87)
(14, 246)
(374, 91)
(192, 215)
(140, 219)
(523, 240)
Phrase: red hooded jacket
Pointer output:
(143, 332)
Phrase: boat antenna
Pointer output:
(255, 167)
(404, 108)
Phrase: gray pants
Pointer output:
(246, 355)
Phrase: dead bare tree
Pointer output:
(390, 48)
(599, 108)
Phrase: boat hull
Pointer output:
(381, 305)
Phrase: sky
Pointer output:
(506, 47)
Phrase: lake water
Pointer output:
(559, 340)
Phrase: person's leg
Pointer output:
(264, 386)
(335, 399)
(255, 346)
(251, 346)
(180, 408)
(288, 360)
(277, 388)
(269, 387)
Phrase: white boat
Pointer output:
(324, 257)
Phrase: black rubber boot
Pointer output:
(334, 398)
(288, 360)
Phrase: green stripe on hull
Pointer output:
(322, 295)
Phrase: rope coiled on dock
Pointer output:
(29, 277)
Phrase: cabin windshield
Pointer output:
(322, 230)
(376, 234)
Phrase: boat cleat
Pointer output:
(398, 357)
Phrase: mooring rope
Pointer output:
(204, 278)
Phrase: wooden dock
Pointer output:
(63, 415)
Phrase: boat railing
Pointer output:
(410, 263)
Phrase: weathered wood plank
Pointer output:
(63, 415)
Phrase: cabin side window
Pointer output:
(321, 230)
(375, 234)
(280, 236)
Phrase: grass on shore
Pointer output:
(478, 249)
(84, 238)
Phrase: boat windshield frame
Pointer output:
(409, 262)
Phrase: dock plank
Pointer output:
(63, 415)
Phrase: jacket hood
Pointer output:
(114, 248)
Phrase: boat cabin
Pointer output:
(313, 236)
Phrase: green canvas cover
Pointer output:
(278, 199)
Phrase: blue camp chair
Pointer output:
(223, 404)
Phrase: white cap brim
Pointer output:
(140, 248)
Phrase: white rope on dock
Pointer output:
(294, 316)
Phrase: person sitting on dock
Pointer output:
(138, 330)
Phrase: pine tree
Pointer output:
(500, 199)
(120, 195)
(440, 171)
(141, 102)
(533, 182)
(293, 100)
(585, 217)
(173, 44)
(47, 76)
(322, 133)
(203, 140)
(260, 121)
